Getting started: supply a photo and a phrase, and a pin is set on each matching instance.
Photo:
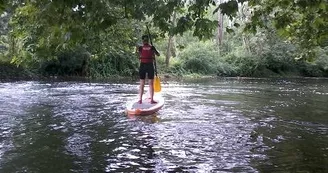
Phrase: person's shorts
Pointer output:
(146, 68)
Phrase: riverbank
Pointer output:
(10, 72)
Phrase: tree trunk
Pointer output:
(170, 46)
(245, 17)
(220, 26)
(246, 44)
(12, 47)
(168, 51)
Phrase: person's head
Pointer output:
(145, 38)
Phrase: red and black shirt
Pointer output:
(147, 53)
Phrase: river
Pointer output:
(207, 125)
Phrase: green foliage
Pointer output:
(199, 58)
(3, 5)
(42, 34)
(229, 8)
(203, 58)
(244, 63)
(113, 63)
(317, 68)
(70, 63)
(302, 22)
(177, 68)
(322, 60)
(280, 57)
(57, 44)
(71, 16)
(4, 39)
(310, 69)
(269, 56)
(276, 54)
(4, 48)
(10, 71)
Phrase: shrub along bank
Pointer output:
(198, 59)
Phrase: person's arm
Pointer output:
(155, 51)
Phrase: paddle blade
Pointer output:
(157, 84)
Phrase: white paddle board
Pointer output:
(145, 108)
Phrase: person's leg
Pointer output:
(151, 89)
(151, 83)
(142, 75)
(141, 89)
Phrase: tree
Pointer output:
(220, 26)
(4, 42)
(302, 22)
(67, 23)
(170, 45)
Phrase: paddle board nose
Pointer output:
(138, 111)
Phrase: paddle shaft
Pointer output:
(151, 42)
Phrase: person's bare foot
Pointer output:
(153, 102)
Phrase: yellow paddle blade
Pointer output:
(157, 84)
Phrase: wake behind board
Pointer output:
(145, 108)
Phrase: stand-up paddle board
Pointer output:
(145, 108)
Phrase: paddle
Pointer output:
(157, 81)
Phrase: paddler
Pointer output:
(147, 54)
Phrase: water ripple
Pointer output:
(247, 125)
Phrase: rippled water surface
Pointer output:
(218, 125)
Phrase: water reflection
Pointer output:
(154, 118)
(226, 125)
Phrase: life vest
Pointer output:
(146, 53)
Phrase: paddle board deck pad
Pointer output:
(145, 108)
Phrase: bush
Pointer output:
(322, 60)
(113, 63)
(317, 68)
(226, 69)
(309, 69)
(11, 71)
(280, 57)
(174, 68)
(68, 63)
(244, 64)
(204, 58)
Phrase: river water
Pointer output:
(216, 125)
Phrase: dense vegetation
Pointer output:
(206, 37)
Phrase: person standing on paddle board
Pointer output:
(147, 54)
